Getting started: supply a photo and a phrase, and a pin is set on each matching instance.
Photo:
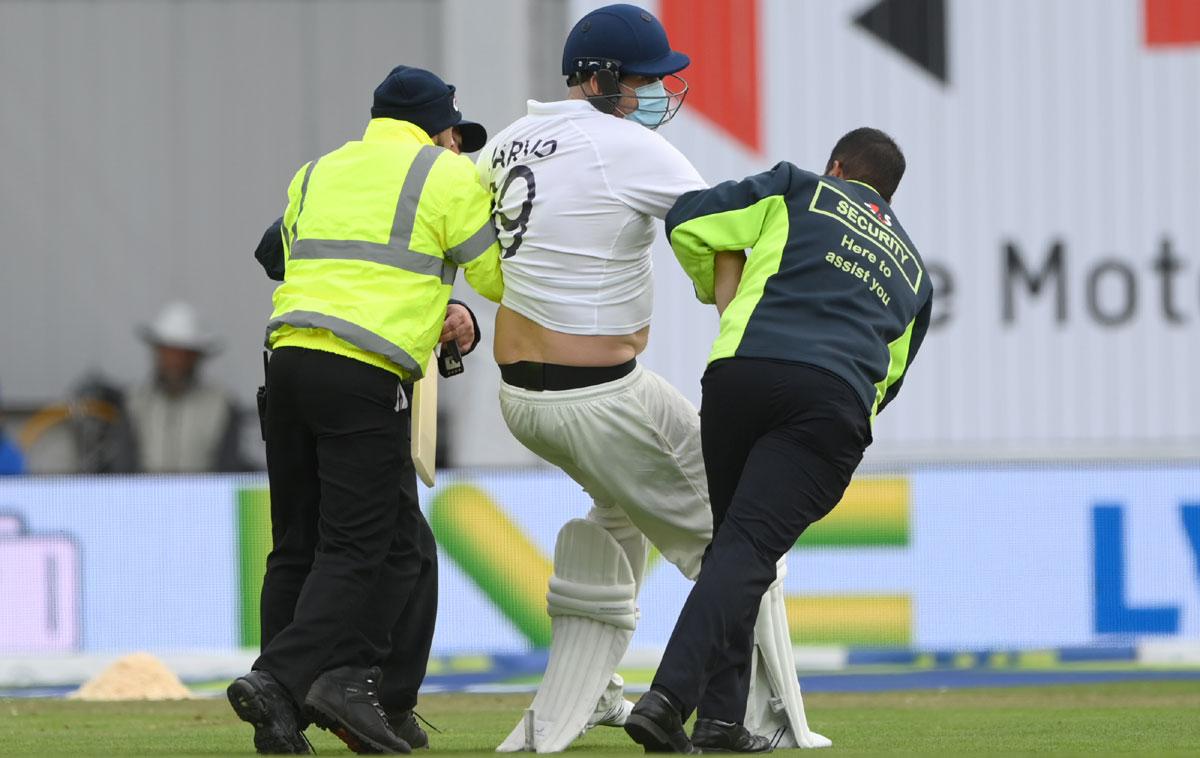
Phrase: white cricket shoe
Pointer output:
(610, 715)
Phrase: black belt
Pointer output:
(551, 376)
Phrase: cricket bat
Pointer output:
(424, 422)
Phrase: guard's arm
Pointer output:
(468, 234)
(273, 250)
(269, 252)
(729, 216)
(727, 275)
(288, 224)
(920, 326)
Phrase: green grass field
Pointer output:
(1157, 718)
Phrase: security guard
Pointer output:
(829, 312)
(373, 235)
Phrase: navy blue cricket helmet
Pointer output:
(622, 38)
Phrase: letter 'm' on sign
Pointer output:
(1015, 270)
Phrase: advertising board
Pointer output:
(931, 559)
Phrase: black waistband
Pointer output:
(551, 376)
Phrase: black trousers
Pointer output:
(352, 576)
(781, 441)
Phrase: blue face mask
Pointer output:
(652, 105)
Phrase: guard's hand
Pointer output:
(458, 327)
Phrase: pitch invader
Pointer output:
(575, 216)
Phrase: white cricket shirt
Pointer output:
(576, 192)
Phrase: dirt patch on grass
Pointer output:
(140, 676)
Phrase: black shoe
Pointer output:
(655, 725)
(345, 701)
(405, 726)
(713, 736)
(259, 699)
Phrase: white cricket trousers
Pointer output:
(634, 446)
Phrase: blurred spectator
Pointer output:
(104, 442)
(179, 423)
(88, 433)
(12, 461)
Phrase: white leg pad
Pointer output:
(593, 610)
(613, 708)
(775, 706)
(628, 536)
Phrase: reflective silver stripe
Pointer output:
(397, 253)
(474, 246)
(449, 271)
(352, 333)
(354, 250)
(303, 191)
(410, 195)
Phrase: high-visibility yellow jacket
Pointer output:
(373, 236)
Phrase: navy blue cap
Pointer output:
(422, 98)
(629, 36)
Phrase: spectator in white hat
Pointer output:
(179, 423)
